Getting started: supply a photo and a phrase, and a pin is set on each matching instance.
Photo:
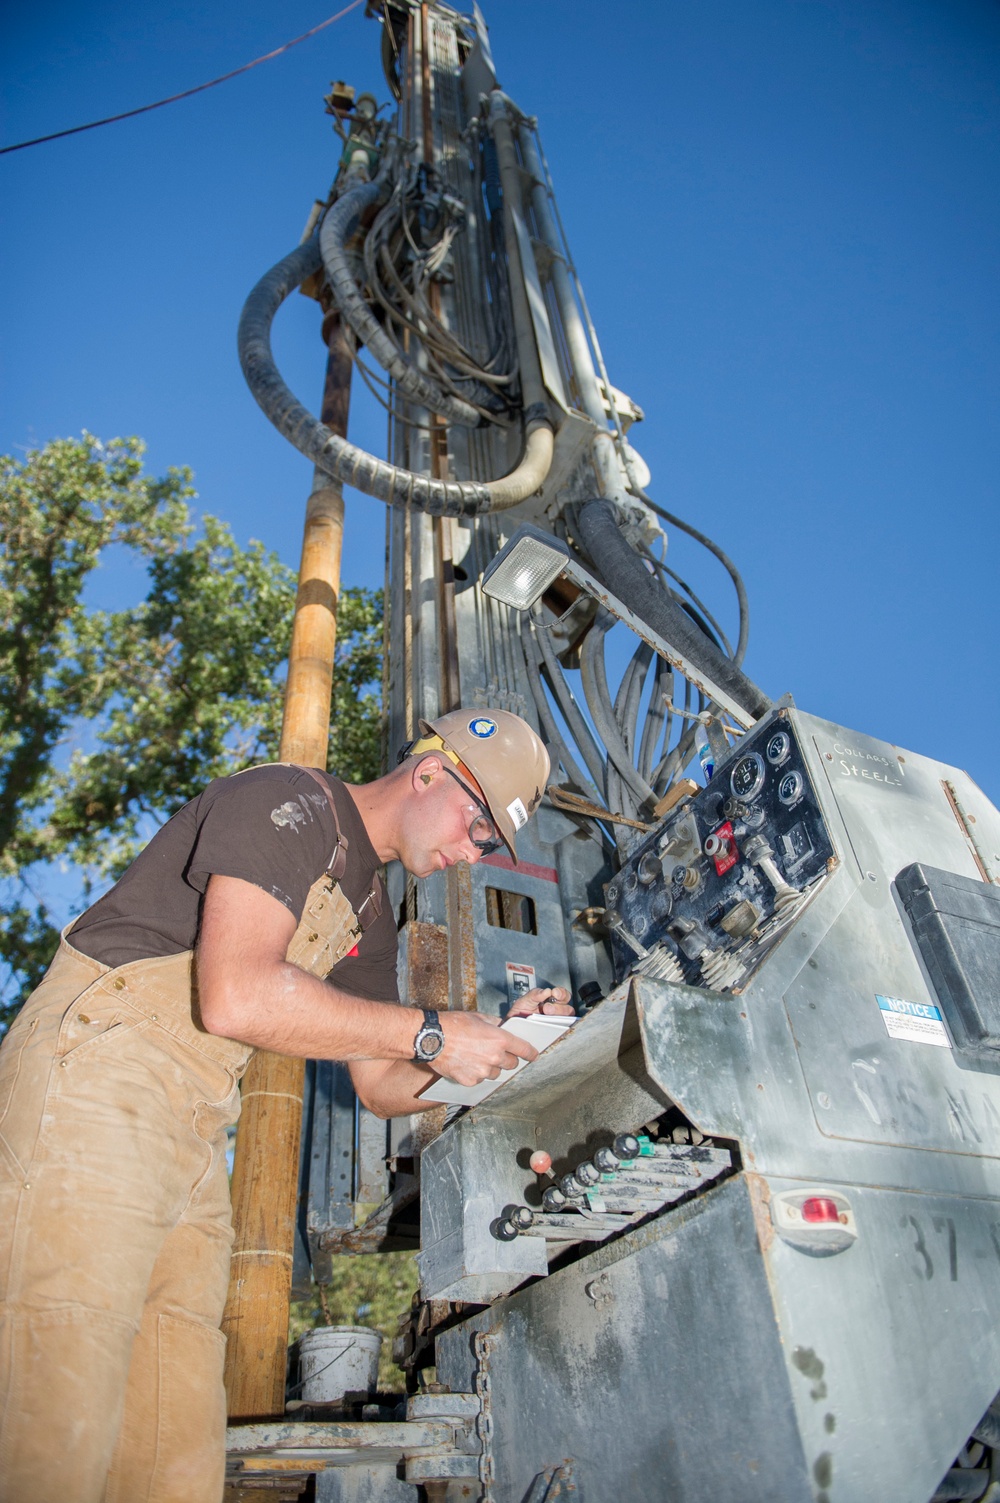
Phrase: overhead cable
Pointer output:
(143, 109)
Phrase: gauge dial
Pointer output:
(747, 777)
(790, 788)
(778, 748)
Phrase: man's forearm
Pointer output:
(389, 1088)
(282, 1008)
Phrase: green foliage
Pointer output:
(111, 720)
(373, 1290)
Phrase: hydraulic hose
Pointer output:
(339, 224)
(654, 721)
(343, 460)
(548, 721)
(623, 571)
(568, 707)
(595, 687)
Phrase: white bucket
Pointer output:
(334, 1360)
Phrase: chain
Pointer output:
(482, 1346)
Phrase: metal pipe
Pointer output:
(576, 336)
(331, 451)
(618, 440)
(578, 346)
(533, 395)
(266, 1159)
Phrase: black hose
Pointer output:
(595, 687)
(727, 564)
(653, 723)
(570, 710)
(629, 696)
(333, 454)
(623, 571)
(988, 1429)
(547, 719)
(961, 1482)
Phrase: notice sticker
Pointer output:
(520, 979)
(918, 1022)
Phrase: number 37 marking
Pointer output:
(944, 1228)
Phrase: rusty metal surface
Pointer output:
(461, 938)
(374, 1235)
(424, 969)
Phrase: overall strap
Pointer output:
(371, 908)
(337, 864)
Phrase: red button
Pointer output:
(820, 1208)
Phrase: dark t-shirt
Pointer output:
(271, 826)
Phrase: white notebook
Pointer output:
(539, 1029)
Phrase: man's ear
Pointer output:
(425, 771)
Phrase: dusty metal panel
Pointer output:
(467, 1174)
(654, 1364)
(911, 1310)
(800, 1068)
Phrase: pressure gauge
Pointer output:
(747, 777)
(791, 788)
(778, 748)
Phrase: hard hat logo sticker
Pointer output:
(483, 728)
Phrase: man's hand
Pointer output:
(477, 1049)
(553, 1000)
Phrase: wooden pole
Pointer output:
(265, 1167)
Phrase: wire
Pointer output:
(724, 560)
(186, 93)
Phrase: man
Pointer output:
(120, 1075)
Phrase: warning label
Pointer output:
(918, 1022)
(520, 979)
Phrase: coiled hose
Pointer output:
(335, 455)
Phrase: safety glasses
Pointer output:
(482, 831)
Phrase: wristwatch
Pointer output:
(430, 1040)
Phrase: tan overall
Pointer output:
(115, 1225)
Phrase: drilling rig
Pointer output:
(736, 1233)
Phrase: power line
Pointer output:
(186, 93)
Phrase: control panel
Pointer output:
(704, 897)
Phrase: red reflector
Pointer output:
(820, 1208)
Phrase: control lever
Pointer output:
(757, 851)
(659, 965)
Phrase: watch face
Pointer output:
(428, 1043)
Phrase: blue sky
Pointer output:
(786, 218)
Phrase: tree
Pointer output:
(110, 720)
